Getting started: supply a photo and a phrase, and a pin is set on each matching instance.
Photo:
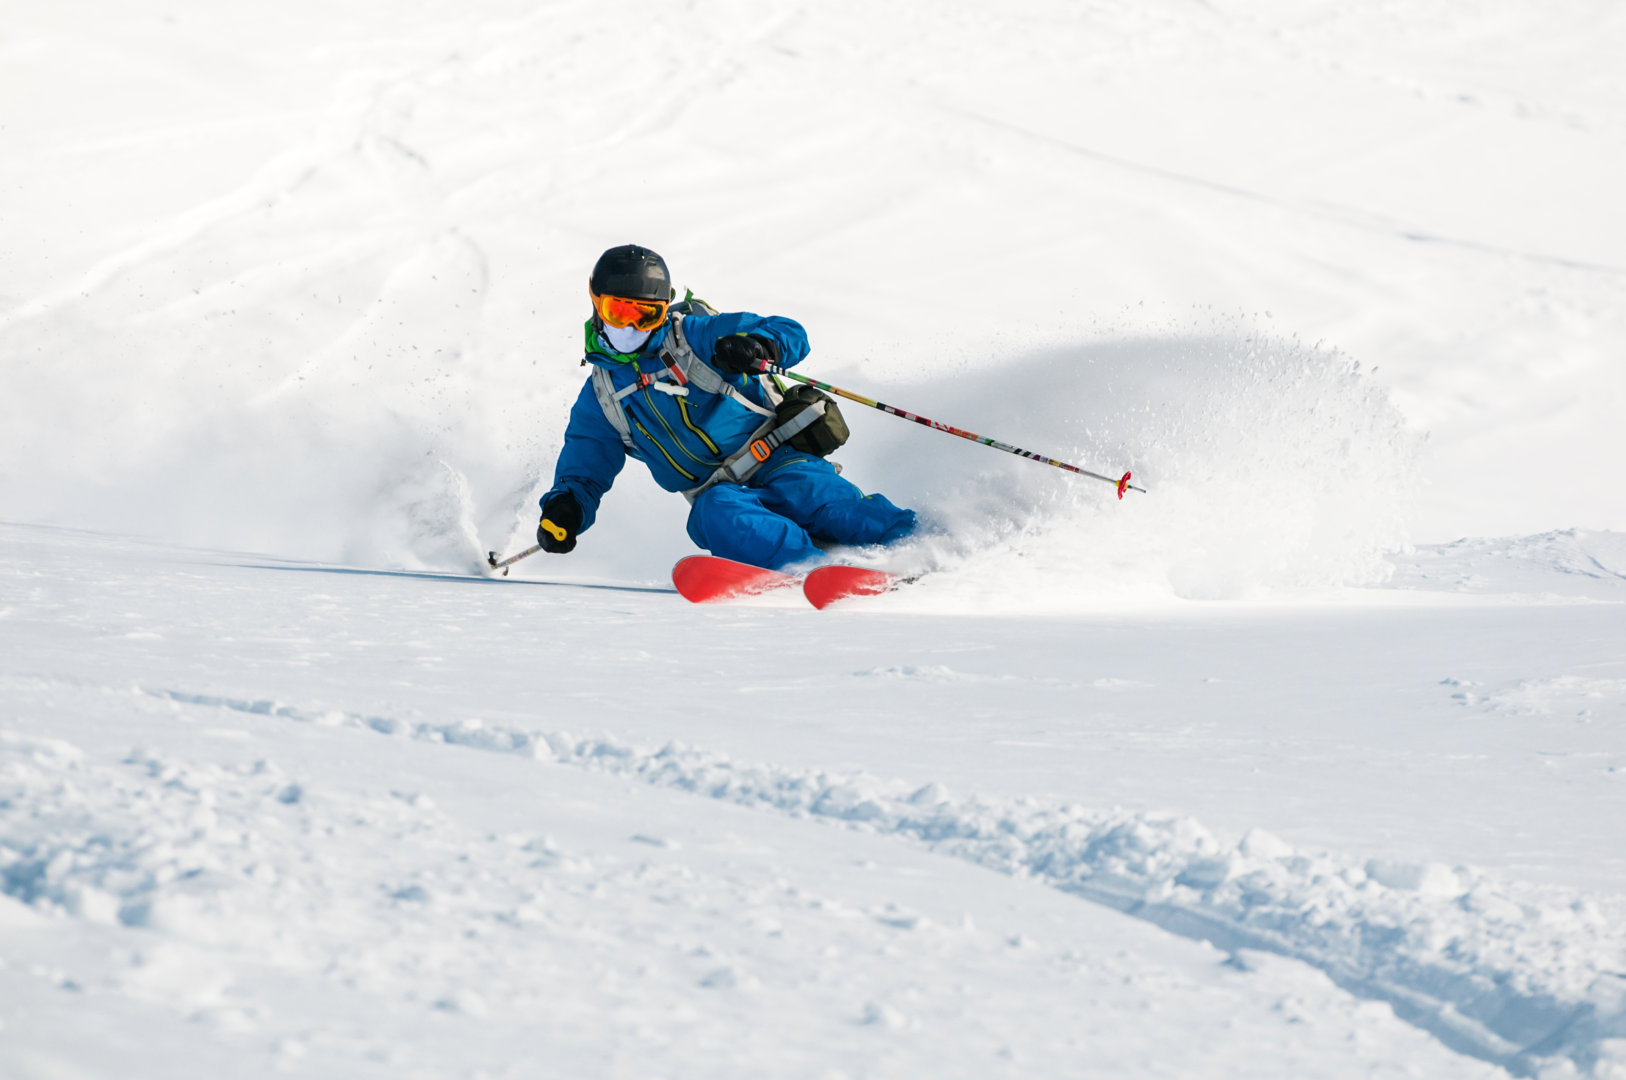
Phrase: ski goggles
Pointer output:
(619, 311)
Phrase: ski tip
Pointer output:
(828, 584)
(705, 579)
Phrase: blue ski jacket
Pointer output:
(681, 439)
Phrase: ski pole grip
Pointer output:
(558, 531)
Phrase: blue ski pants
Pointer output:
(774, 518)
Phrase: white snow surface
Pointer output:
(1309, 762)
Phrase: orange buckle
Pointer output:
(760, 449)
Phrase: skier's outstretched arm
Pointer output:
(592, 457)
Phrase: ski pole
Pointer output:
(558, 532)
(491, 558)
(1122, 483)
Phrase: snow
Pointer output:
(1310, 761)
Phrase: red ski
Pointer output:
(703, 579)
(828, 584)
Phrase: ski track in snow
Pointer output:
(1515, 974)
(214, 890)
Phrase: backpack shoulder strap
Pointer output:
(679, 354)
(604, 390)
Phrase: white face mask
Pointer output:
(624, 339)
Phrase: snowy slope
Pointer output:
(394, 818)
(1230, 779)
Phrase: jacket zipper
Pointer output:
(670, 460)
(677, 442)
(683, 408)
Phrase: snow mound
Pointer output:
(1271, 467)
(1568, 563)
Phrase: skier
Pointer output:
(676, 386)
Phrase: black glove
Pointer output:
(564, 513)
(744, 354)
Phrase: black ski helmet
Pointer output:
(633, 272)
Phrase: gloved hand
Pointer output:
(744, 354)
(564, 513)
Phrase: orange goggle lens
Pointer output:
(619, 311)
